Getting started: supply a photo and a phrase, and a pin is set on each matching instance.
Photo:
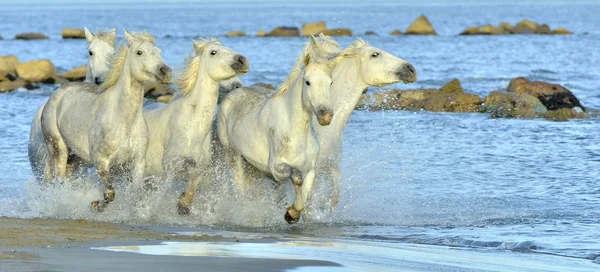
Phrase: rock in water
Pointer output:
(561, 31)
(31, 36)
(338, 32)
(526, 27)
(72, 33)
(449, 98)
(284, 31)
(502, 104)
(75, 74)
(553, 96)
(421, 26)
(261, 33)
(37, 71)
(235, 33)
(313, 28)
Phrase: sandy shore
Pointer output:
(79, 245)
(66, 245)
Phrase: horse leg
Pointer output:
(239, 175)
(307, 188)
(103, 170)
(335, 190)
(293, 212)
(59, 154)
(73, 163)
(193, 178)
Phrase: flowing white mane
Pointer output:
(108, 37)
(117, 61)
(188, 76)
(351, 51)
(304, 59)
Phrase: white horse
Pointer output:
(101, 47)
(105, 129)
(357, 67)
(180, 132)
(272, 130)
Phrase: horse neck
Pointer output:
(203, 97)
(297, 107)
(128, 93)
(346, 91)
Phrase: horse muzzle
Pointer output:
(324, 116)
(164, 74)
(407, 73)
(240, 65)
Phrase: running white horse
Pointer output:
(106, 129)
(357, 67)
(101, 48)
(180, 132)
(272, 130)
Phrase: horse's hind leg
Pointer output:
(58, 154)
(73, 163)
(293, 212)
(103, 170)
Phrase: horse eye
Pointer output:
(214, 52)
(91, 53)
(307, 83)
(139, 53)
(331, 84)
(375, 55)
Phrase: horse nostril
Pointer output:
(97, 80)
(242, 60)
(410, 68)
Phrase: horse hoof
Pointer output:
(288, 218)
(98, 205)
(183, 211)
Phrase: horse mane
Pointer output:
(108, 37)
(302, 61)
(188, 76)
(351, 51)
(117, 62)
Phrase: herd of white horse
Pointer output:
(292, 133)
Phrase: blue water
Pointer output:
(430, 178)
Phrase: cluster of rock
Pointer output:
(67, 33)
(522, 99)
(534, 99)
(14, 74)
(449, 98)
(523, 27)
(421, 26)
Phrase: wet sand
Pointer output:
(66, 245)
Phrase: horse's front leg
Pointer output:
(293, 212)
(103, 170)
(336, 176)
(193, 177)
(239, 175)
(307, 188)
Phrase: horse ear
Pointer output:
(130, 38)
(113, 33)
(88, 34)
(197, 46)
(313, 43)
